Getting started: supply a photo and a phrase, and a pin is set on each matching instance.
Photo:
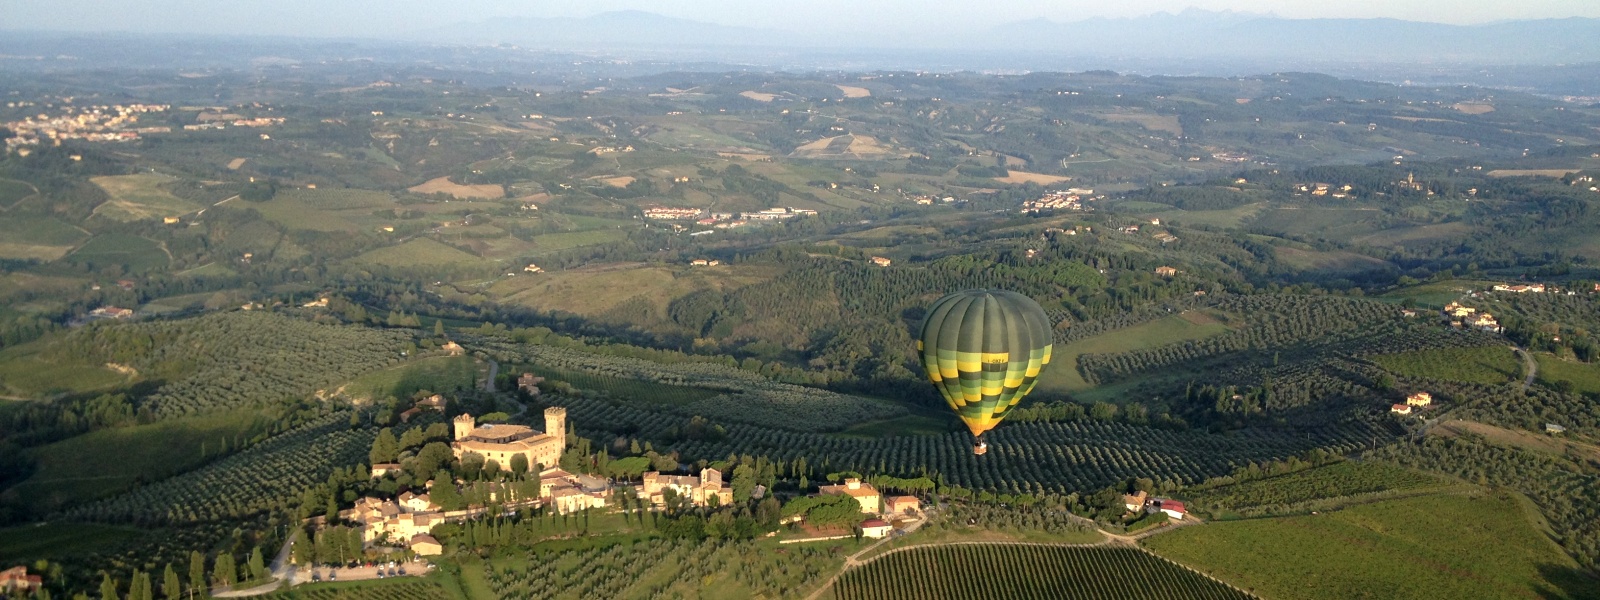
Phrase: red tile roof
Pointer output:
(873, 523)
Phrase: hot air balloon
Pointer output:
(983, 350)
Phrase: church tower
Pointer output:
(464, 425)
(555, 423)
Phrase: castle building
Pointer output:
(500, 443)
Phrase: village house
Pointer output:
(416, 503)
(318, 303)
(563, 492)
(111, 312)
(425, 545)
(529, 383)
(881, 261)
(500, 443)
(1486, 322)
(1400, 409)
(1554, 428)
(533, 268)
(901, 505)
(1135, 501)
(384, 469)
(1173, 508)
(1458, 311)
(1535, 288)
(435, 402)
(1165, 237)
(875, 529)
(16, 580)
(698, 490)
(1419, 399)
(864, 493)
(1165, 271)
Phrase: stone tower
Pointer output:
(464, 425)
(555, 423)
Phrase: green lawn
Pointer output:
(135, 253)
(1437, 546)
(23, 373)
(140, 197)
(439, 373)
(1061, 375)
(1585, 377)
(50, 540)
(75, 469)
(1488, 364)
(419, 252)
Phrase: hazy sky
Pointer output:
(364, 18)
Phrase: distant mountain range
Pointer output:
(1189, 34)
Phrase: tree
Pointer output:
(140, 589)
(258, 566)
(744, 482)
(108, 587)
(384, 448)
(438, 328)
(305, 551)
(171, 587)
(197, 574)
(226, 571)
(519, 465)
(412, 438)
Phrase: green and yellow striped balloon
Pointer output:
(983, 350)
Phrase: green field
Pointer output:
(623, 387)
(1062, 376)
(38, 238)
(1488, 364)
(140, 197)
(1437, 294)
(324, 210)
(135, 253)
(13, 191)
(52, 540)
(908, 425)
(419, 252)
(1436, 546)
(74, 469)
(1228, 218)
(1585, 377)
(554, 242)
(1345, 480)
(439, 373)
(23, 373)
(1006, 571)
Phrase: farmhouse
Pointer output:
(453, 349)
(864, 493)
(1458, 311)
(1419, 399)
(17, 580)
(1136, 500)
(529, 383)
(1537, 288)
(901, 505)
(1173, 508)
(382, 469)
(500, 443)
(1554, 428)
(533, 268)
(875, 528)
(1165, 271)
(111, 312)
(699, 490)
(1400, 409)
(881, 261)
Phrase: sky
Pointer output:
(380, 18)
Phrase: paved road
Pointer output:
(494, 369)
(282, 572)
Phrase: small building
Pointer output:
(415, 502)
(1135, 501)
(864, 493)
(881, 261)
(16, 580)
(901, 505)
(435, 402)
(1408, 313)
(1165, 271)
(1554, 428)
(453, 348)
(875, 528)
(1173, 508)
(425, 545)
(382, 469)
(111, 312)
(170, 220)
(529, 383)
(1400, 409)
(1419, 399)
(699, 262)
(532, 268)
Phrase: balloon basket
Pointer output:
(980, 448)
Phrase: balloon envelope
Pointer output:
(983, 350)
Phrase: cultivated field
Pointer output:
(436, 374)
(851, 91)
(1006, 571)
(140, 197)
(38, 238)
(1026, 177)
(1437, 546)
(1493, 364)
(758, 96)
(135, 253)
(420, 252)
(12, 192)
(1585, 377)
(1152, 122)
(861, 147)
(443, 185)
(1062, 375)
